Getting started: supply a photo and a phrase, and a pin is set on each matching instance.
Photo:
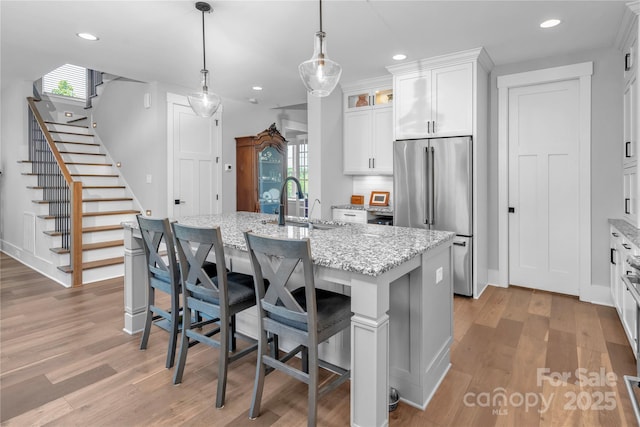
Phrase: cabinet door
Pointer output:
(613, 267)
(357, 141)
(382, 150)
(630, 125)
(630, 194)
(412, 110)
(452, 100)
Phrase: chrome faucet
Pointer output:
(310, 224)
(283, 197)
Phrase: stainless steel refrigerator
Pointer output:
(433, 189)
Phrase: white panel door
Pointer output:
(543, 186)
(194, 163)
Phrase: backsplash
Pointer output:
(366, 184)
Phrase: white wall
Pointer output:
(364, 185)
(606, 149)
(326, 179)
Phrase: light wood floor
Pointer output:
(66, 361)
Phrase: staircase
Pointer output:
(106, 202)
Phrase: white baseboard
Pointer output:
(596, 294)
(35, 263)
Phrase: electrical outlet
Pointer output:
(439, 275)
(149, 179)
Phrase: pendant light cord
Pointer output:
(320, 15)
(204, 56)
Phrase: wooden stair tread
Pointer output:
(106, 175)
(77, 120)
(94, 264)
(66, 124)
(109, 199)
(104, 213)
(102, 228)
(78, 143)
(68, 163)
(76, 152)
(84, 214)
(91, 246)
(96, 229)
(63, 132)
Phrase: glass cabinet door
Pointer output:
(270, 167)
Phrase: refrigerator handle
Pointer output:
(432, 190)
(427, 186)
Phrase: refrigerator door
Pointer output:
(410, 187)
(452, 187)
(462, 265)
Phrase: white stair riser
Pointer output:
(102, 273)
(72, 138)
(90, 193)
(98, 180)
(78, 148)
(102, 236)
(92, 169)
(67, 128)
(82, 158)
(104, 253)
(93, 221)
(107, 206)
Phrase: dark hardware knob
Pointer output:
(460, 243)
(627, 151)
(612, 255)
(512, 209)
(627, 210)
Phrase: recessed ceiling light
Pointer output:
(550, 23)
(399, 57)
(87, 36)
(257, 88)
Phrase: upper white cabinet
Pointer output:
(434, 102)
(368, 127)
(631, 110)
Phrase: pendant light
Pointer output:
(319, 74)
(204, 104)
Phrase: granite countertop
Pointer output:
(627, 230)
(368, 249)
(387, 210)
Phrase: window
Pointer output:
(298, 165)
(68, 80)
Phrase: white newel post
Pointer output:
(369, 352)
(135, 288)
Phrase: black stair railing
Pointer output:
(59, 189)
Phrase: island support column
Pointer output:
(369, 352)
(135, 283)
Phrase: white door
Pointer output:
(383, 140)
(195, 177)
(543, 186)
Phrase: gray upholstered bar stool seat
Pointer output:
(306, 316)
(163, 275)
(217, 299)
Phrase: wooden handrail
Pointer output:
(75, 190)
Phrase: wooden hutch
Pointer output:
(261, 168)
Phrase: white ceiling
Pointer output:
(262, 42)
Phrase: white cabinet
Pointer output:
(367, 127)
(351, 215)
(621, 248)
(435, 102)
(631, 116)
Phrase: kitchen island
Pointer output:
(400, 284)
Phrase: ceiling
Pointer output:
(262, 42)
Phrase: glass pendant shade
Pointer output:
(204, 104)
(319, 74)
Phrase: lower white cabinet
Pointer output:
(621, 248)
(351, 215)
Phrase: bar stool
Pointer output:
(217, 299)
(163, 275)
(306, 316)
